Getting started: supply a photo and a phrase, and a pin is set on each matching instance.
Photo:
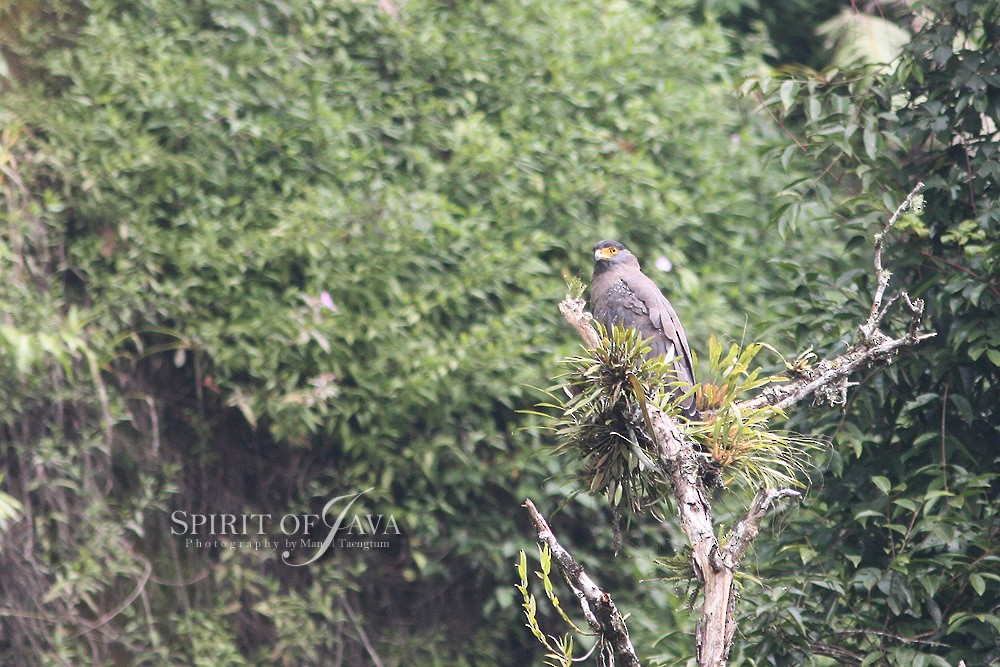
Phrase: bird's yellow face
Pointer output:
(606, 252)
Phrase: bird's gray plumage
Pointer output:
(620, 293)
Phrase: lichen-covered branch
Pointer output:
(598, 608)
(832, 373)
(575, 312)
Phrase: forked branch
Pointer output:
(681, 464)
(882, 276)
(829, 377)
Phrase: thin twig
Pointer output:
(181, 583)
(139, 587)
(971, 180)
(842, 655)
(361, 631)
(154, 640)
(890, 635)
(802, 147)
(944, 453)
(34, 616)
(994, 290)
(154, 423)
(749, 526)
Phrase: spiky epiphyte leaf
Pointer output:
(749, 452)
(729, 376)
(604, 422)
(742, 442)
(678, 571)
(575, 287)
(677, 567)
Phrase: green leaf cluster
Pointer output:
(604, 424)
(745, 443)
(560, 649)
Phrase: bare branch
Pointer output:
(872, 347)
(361, 631)
(994, 290)
(827, 372)
(842, 655)
(749, 526)
(147, 570)
(574, 310)
(882, 276)
(601, 613)
(916, 308)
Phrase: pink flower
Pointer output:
(326, 301)
(663, 264)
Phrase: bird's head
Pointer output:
(608, 254)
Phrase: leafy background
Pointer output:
(257, 256)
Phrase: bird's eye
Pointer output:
(612, 250)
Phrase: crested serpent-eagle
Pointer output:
(621, 294)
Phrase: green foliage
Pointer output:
(604, 422)
(258, 255)
(560, 649)
(894, 561)
(730, 374)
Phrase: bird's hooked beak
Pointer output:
(603, 253)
